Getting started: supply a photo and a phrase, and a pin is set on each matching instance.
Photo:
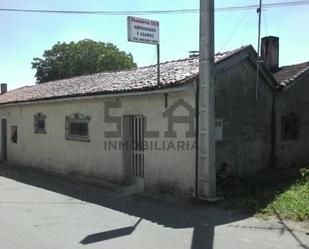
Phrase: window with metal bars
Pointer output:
(39, 123)
(76, 127)
(14, 134)
(290, 125)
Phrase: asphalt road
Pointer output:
(47, 212)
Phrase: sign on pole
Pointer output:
(143, 30)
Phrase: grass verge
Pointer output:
(272, 192)
(292, 203)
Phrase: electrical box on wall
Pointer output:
(219, 129)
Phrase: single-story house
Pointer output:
(126, 128)
(292, 115)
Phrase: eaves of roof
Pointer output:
(173, 74)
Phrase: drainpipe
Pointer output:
(197, 93)
(206, 141)
(273, 132)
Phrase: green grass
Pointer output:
(272, 192)
(291, 204)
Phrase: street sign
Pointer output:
(143, 30)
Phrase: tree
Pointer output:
(65, 60)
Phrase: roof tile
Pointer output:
(287, 74)
(140, 79)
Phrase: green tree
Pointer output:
(65, 60)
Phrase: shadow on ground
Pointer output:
(203, 218)
(97, 237)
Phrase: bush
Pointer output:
(304, 172)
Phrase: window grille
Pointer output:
(14, 134)
(76, 127)
(290, 126)
(39, 123)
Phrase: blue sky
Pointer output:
(26, 35)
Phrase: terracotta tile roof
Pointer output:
(287, 74)
(173, 73)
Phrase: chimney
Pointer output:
(193, 54)
(4, 88)
(270, 52)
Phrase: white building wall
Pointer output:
(167, 170)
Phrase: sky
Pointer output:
(26, 35)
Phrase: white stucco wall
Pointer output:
(172, 170)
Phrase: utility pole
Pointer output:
(258, 60)
(206, 158)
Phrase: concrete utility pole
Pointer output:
(258, 60)
(206, 160)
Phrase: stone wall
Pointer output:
(293, 100)
(246, 144)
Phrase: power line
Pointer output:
(157, 12)
(265, 6)
(235, 30)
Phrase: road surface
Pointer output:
(47, 212)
